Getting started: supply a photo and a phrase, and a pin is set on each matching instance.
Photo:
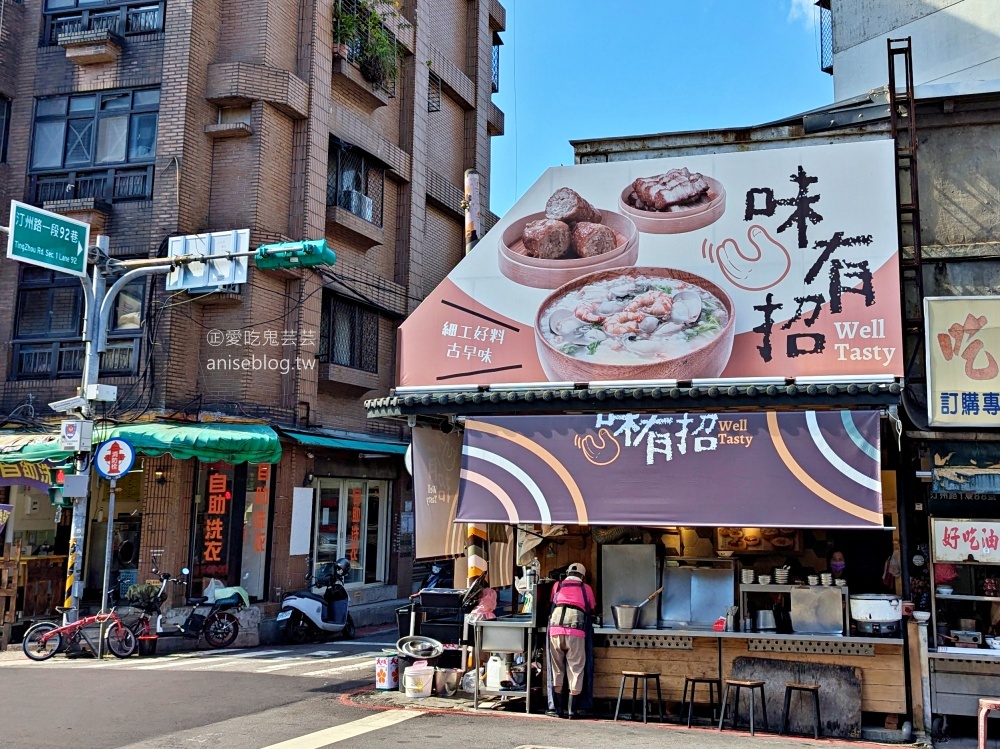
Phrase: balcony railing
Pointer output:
(357, 36)
(106, 185)
(356, 182)
(127, 20)
(50, 360)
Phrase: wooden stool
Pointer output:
(646, 677)
(713, 697)
(812, 689)
(985, 706)
(741, 684)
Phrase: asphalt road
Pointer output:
(278, 698)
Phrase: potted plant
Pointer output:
(346, 31)
(379, 56)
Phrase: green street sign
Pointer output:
(47, 239)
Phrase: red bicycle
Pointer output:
(45, 639)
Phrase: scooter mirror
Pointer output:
(185, 571)
(154, 570)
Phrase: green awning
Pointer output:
(318, 439)
(31, 448)
(208, 442)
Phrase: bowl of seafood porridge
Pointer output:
(635, 324)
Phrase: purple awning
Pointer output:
(805, 469)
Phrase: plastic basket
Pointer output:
(126, 578)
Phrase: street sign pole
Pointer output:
(107, 562)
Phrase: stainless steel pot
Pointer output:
(875, 607)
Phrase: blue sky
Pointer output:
(572, 69)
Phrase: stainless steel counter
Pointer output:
(711, 633)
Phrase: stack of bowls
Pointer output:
(813, 579)
(764, 579)
(826, 578)
(748, 577)
(781, 575)
(841, 582)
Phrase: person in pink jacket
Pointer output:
(573, 604)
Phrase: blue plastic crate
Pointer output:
(125, 579)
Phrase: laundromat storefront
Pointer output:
(228, 499)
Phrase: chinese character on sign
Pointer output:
(951, 537)
(803, 213)
(970, 404)
(951, 342)
(949, 403)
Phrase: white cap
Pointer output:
(577, 569)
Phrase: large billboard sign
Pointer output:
(769, 263)
(963, 374)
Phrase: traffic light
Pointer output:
(307, 254)
(56, 498)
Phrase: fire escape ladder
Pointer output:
(903, 123)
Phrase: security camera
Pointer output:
(69, 404)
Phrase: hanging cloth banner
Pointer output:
(762, 469)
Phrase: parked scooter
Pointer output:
(219, 625)
(321, 611)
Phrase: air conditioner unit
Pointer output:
(357, 203)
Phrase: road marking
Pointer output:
(339, 669)
(217, 659)
(323, 653)
(285, 663)
(346, 731)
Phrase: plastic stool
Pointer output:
(646, 677)
(812, 689)
(713, 695)
(741, 684)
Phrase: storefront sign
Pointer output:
(356, 510)
(965, 540)
(39, 476)
(261, 500)
(781, 262)
(212, 524)
(781, 470)
(437, 459)
(963, 361)
(5, 512)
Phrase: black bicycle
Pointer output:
(220, 626)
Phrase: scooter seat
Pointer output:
(311, 596)
(197, 601)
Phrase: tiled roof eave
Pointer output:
(547, 400)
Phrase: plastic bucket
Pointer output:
(418, 681)
(387, 672)
(147, 645)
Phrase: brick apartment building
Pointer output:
(350, 120)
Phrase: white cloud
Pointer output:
(804, 12)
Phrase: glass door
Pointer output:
(326, 543)
(351, 522)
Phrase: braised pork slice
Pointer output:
(546, 239)
(671, 188)
(591, 239)
(569, 206)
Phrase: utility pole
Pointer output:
(44, 238)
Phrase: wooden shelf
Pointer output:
(958, 597)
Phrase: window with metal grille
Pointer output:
(120, 17)
(4, 127)
(434, 94)
(826, 39)
(348, 333)
(496, 63)
(48, 320)
(98, 145)
(355, 181)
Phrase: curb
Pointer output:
(348, 700)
